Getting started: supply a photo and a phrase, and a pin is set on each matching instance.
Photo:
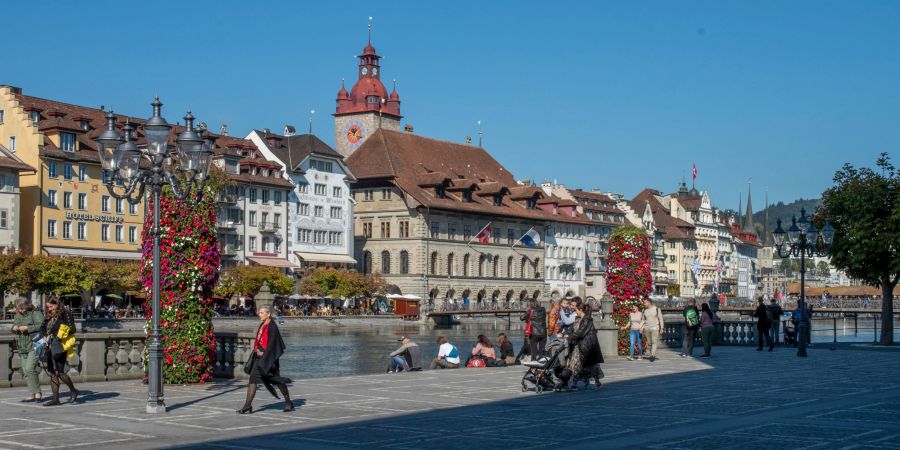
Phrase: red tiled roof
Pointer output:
(402, 159)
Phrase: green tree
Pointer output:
(864, 209)
(247, 280)
(56, 275)
(115, 277)
(673, 289)
(341, 283)
(10, 273)
(823, 268)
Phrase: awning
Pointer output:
(273, 262)
(89, 253)
(325, 257)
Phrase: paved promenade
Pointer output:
(740, 398)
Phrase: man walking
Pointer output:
(691, 325)
(763, 321)
(654, 326)
(775, 328)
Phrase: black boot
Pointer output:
(73, 393)
(54, 386)
(248, 404)
(288, 404)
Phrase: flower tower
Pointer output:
(189, 269)
(628, 276)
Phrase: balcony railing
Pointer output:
(229, 250)
(269, 227)
(227, 199)
(228, 224)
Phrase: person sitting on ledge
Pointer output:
(507, 352)
(448, 355)
(484, 350)
(406, 358)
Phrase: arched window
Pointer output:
(404, 262)
(367, 262)
(537, 267)
(434, 263)
(509, 267)
(465, 268)
(481, 263)
(450, 265)
(385, 262)
(496, 272)
(523, 267)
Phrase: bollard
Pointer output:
(874, 329)
(834, 329)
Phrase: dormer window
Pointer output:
(498, 199)
(85, 124)
(265, 172)
(253, 171)
(67, 142)
(467, 196)
(35, 116)
(530, 203)
(372, 99)
(440, 191)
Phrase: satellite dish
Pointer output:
(289, 130)
(202, 126)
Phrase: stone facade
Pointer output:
(431, 253)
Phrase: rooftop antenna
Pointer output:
(370, 30)
(480, 133)
(311, 112)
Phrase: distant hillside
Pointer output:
(785, 211)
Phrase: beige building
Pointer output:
(65, 207)
(421, 204)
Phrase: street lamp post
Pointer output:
(803, 240)
(121, 160)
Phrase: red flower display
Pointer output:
(189, 269)
(628, 276)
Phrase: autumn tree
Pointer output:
(10, 274)
(864, 209)
(247, 280)
(55, 275)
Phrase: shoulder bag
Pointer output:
(248, 366)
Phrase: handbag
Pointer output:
(528, 328)
(476, 362)
(248, 366)
(56, 348)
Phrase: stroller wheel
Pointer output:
(524, 388)
(539, 389)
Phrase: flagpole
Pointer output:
(469, 244)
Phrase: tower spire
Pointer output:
(370, 30)
(748, 215)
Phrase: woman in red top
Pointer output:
(268, 347)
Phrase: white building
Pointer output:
(566, 246)
(320, 217)
(10, 166)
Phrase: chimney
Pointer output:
(469, 140)
(224, 130)
(266, 131)
(408, 128)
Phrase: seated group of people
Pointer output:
(409, 356)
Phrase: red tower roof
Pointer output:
(368, 94)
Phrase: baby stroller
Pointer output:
(542, 373)
(790, 336)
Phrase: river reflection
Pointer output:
(358, 350)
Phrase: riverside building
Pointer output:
(319, 204)
(65, 208)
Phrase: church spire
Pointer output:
(747, 227)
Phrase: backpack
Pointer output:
(453, 353)
(476, 362)
(770, 314)
(777, 311)
(692, 318)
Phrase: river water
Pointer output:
(358, 350)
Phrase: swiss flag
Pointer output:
(484, 236)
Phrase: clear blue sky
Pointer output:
(618, 96)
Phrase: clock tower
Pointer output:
(366, 107)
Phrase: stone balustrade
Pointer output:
(728, 332)
(119, 356)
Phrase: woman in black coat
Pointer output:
(58, 316)
(268, 347)
(585, 355)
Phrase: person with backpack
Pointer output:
(691, 325)
(448, 355)
(707, 328)
(535, 329)
(763, 321)
(775, 328)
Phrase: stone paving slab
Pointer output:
(739, 398)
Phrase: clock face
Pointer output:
(355, 133)
(364, 70)
(374, 71)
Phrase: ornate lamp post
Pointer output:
(803, 240)
(121, 161)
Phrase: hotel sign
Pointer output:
(94, 217)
